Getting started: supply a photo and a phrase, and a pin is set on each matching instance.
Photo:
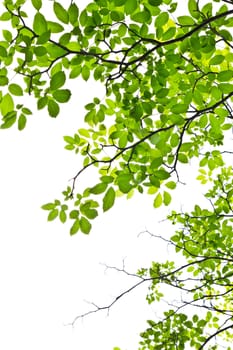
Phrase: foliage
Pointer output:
(168, 80)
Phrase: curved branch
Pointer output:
(214, 335)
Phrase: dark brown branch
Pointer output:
(214, 335)
(107, 307)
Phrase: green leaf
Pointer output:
(3, 51)
(62, 96)
(85, 73)
(91, 213)
(179, 108)
(225, 75)
(85, 225)
(74, 214)
(166, 198)
(171, 185)
(7, 35)
(124, 183)
(183, 158)
(75, 72)
(158, 200)
(186, 20)
(73, 13)
(55, 27)
(44, 38)
(225, 88)
(15, 89)
(40, 51)
(60, 12)
(141, 17)
(99, 188)
(75, 227)
(162, 19)
(5, 16)
(7, 104)
(22, 122)
(169, 34)
(162, 93)
(37, 4)
(39, 24)
(193, 8)
(48, 206)
(57, 80)
(130, 6)
(3, 80)
(53, 108)
(174, 141)
(155, 2)
(162, 174)
(109, 199)
(216, 60)
(42, 102)
(62, 216)
(119, 3)
(53, 214)
(9, 120)
(117, 16)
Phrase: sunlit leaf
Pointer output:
(15, 89)
(60, 12)
(62, 95)
(53, 108)
(109, 199)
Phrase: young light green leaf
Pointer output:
(62, 95)
(183, 158)
(158, 200)
(166, 198)
(57, 80)
(193, 8)
(91, 213)
(60, 12)
(55, 27)
(179, 108)
(85, 73)
(37, 4)
(53, 214)
(73, 13)
(171, 185)
(7, 35)
(130, 6)
(109, 199)
(62, 216)
(22, 122)
(119, 3)
(225, 75)
(9, 120)
(48, 206)
(7, 104)
(155, 2)
(15, 89)
(42, 102)
(162, 19)
(3, 80)
(216, 60)
(186, 20)
(141, 17)
(75, 227)
(53, 108)
(39, 24)
(124, 183)
(99, 188)
(85, 225)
